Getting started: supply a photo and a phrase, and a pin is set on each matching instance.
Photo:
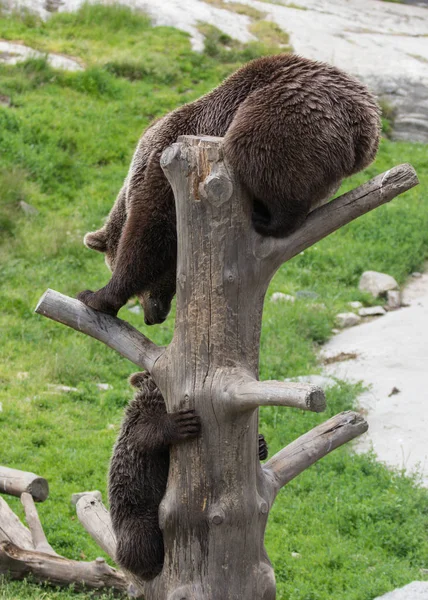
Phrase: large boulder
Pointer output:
(377, 284)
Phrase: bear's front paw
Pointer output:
(98, 302)
(263, 448)
(186, 424)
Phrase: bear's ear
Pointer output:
(96, 240)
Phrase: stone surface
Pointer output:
(62, 388)
(27, 208)
(376, 283)
(355, 304)
(13, 52)
(347, 320)
(382, 43)
(394, 299)
(372, 311)
(391, 353)
(307, 294)
(136, 309)
(104, 386)
(418, 590)
(280, 297)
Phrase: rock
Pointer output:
(62, 388)
(135, 309)
(5, 100)
(296, 555)
(104, 386)
(394, 391)
(12, 53)
(306, 294)
(418, 590)
(280, 297)
(347, 320)
(76, 497)
(335, 331)
(394, 299)
(53, 5)
(377, 283)
(319, 380)
(355, 304)
(318, 306)
(27, 208)
(372, 311)
(416, 274)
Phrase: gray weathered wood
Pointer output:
(76, 497)
(280, 393)
(214, 512)
(310, 447)
(11, 528)
(95, 518)
(14, 482)
(19, 563)
(113, 332)
(40, 542)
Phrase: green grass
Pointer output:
(65, 146)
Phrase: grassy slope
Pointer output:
(65, 145)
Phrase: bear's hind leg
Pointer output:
(140, 547)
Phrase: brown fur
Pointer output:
(293, 129)
(139, 472)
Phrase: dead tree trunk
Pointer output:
(215, 510)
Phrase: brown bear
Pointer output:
(293, 128)
(139, 472)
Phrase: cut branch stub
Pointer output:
(95, 518)
(277, 393)
(15, 482)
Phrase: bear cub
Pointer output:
(293, 128)
(139, 472)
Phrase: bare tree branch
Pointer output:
(276, 393)
(40, 541)
(112, 331)
(11, 528)
(341, 211)
(95, 518)
(14, 482)
(310, 447)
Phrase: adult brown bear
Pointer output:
(293, 128)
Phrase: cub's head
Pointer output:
(99, 241)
